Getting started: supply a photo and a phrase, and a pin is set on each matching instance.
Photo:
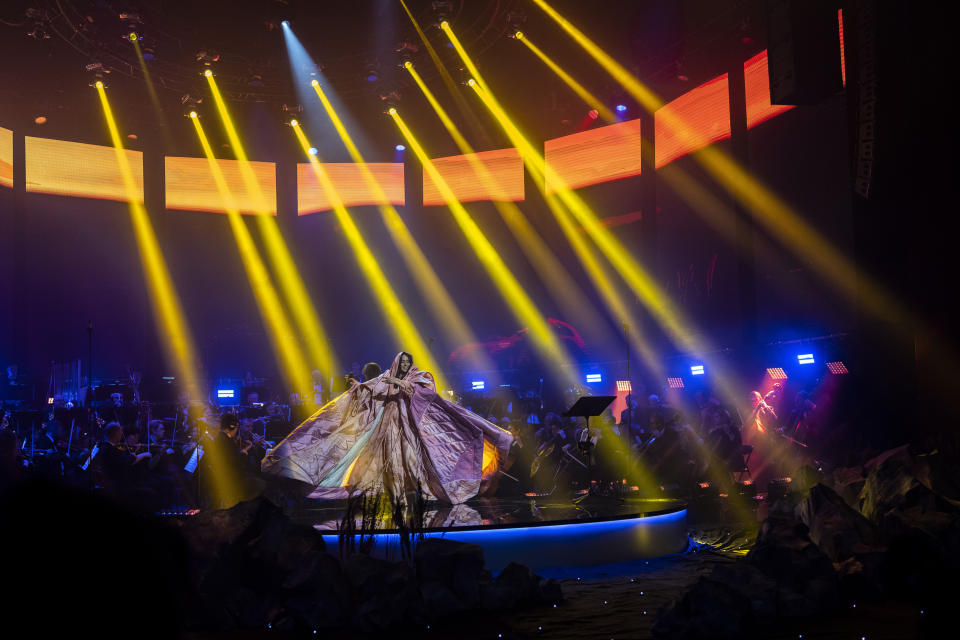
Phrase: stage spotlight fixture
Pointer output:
(207, 58)
(313, 151)
(478, 385)
(294, 123)
(400, 147)
(132, 36)
(621, 108)
(624, 385)
(696, 370)
(207, 73)
(98, 84)
(190, 105)
(517, 35)
(285, 23)
(192, 114)
(471, 82)
(776, 373)
(805, 358)
(675, 383)
(372, 72)
(391, 111)
(41, 119)
(837, 368)
(390, 102)
(594, 378)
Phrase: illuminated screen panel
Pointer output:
(350, 184)
(502, 181)
(6, 157)
(77, 169)
(757, 84)
(694, 120)
(191, 187)
(591, 157)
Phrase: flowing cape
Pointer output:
(385, 437)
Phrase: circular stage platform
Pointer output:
(539, 532)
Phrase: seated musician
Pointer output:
(113, 465)
(226, 460)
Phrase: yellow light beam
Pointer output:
(562, 286)
(462, 104)
(640, 282)
(430, 285)
(577, 88)
(399, 323)
(177, 341)
(516, 298)
(785, 223)
(285, 347)
(298, 300)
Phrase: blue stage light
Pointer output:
(313, 151)
(621, 108)
(697, 370)
(805, 358)
(478, 385)
(225, 393)
(400, 147)
(285, 24)
(593, 378)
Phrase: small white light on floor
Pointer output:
(554, 606)
(854, 605)
(539, 628)
(644, 613)
(604, 602)
(641, 593)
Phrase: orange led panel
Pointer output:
(502, 181)
(350, 184)
(6, 157)
(191, 187)
(757, 85)
(696, 119)
(77, 169)
(591, 157)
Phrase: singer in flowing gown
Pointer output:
(393, 434)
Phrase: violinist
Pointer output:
(113, 466)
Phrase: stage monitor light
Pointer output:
(594, 378)
(805, 358)
(478, 385)
(400, 147)
(837, 368)
(675, 383)
(624, 385)
(697, 370)
(776, 373)
(621, 108)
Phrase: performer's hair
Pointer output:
(111, 429)
(371, 370)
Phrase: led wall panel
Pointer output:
(694, 120)
(6, 157)
(76, 169)
(591, 157)
(503, 180)
(757, 84)
(190, 186)
(350, 184)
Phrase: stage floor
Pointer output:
(539, 532)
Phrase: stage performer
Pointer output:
(391, 434)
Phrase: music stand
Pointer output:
(588, 407)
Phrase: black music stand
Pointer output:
(588, 407)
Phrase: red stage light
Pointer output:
(777, 373)
(837, 368)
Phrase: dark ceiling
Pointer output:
(672, 45)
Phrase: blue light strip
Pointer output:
(560, 531)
